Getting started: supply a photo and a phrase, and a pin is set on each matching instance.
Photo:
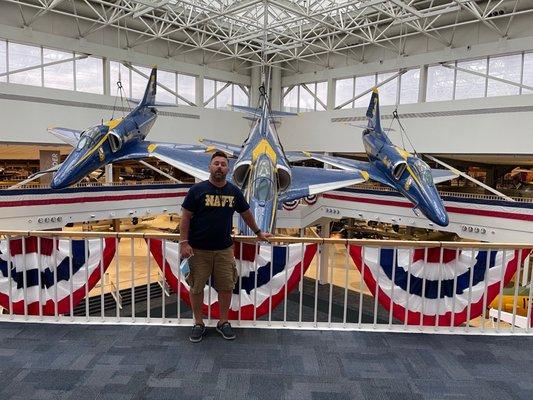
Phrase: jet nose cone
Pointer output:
(57, 182)
(441, 218)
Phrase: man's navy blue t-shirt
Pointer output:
(212, 218)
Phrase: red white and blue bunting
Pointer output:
(418, 286)
(26, 262)
(287, 270)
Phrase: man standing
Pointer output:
(206, 224)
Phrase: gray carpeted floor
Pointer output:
(39, 361)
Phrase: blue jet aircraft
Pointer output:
(393, 166)
(115, 140)
(262, 169)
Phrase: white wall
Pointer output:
(26, 120)
(481, 133)
(510, 132)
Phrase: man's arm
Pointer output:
(185, 247)
(249, 219)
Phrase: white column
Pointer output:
(255, 83)
(422, 88)
(331, 94)
(109, 173)
(199, 91)
(107, 77)
(275, 89)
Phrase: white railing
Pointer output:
(439, 287)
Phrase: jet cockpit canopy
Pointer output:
(423, 170)
(88, 137)
(263, 180)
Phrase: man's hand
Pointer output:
(186, 250)
(264, 236)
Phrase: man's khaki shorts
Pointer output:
(220, 264)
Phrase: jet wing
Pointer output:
(192, 163)
(308, 181)
(295, 156)
(184, 157)
(348, 164)
(69, 136)
(232, 150)
(442, 175)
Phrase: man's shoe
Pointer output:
(226, 331)
(197, 333)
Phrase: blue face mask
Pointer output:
(184, 266)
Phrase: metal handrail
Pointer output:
(323, 286)
(274, 239)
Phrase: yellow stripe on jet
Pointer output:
(112, 123)
(404, 154)
(93, 149)
(413, 175)
(263, 147)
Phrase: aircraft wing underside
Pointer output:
(195, 164)
(442, 175)
(184, 157)
(69, 136)
(348, 164)
(309, 181)
(233, 150)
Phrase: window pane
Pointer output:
(224, 97)
(344, 92)
(508, 68)
(363, 83)
(187, 88)
(167, 79)
(388, 91)
(440, 83)
(90, 75)
(307, 101)
(322, 94)
(59, 76)
(118, 72)
(527, 78)
(240, 98)
(290, 100)
(138, 82)
(22, 56)
(410, 82)
(468, 85)
(3, 63)
(209, 90)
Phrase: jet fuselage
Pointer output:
(262, 172)
(102, 144)
(406, 173)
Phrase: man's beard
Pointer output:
(218, 176)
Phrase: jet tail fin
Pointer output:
(372, 113)
(149, 94)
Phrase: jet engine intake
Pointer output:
(240, 172)
(284, 177)
(398, 169)
(115, 141)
